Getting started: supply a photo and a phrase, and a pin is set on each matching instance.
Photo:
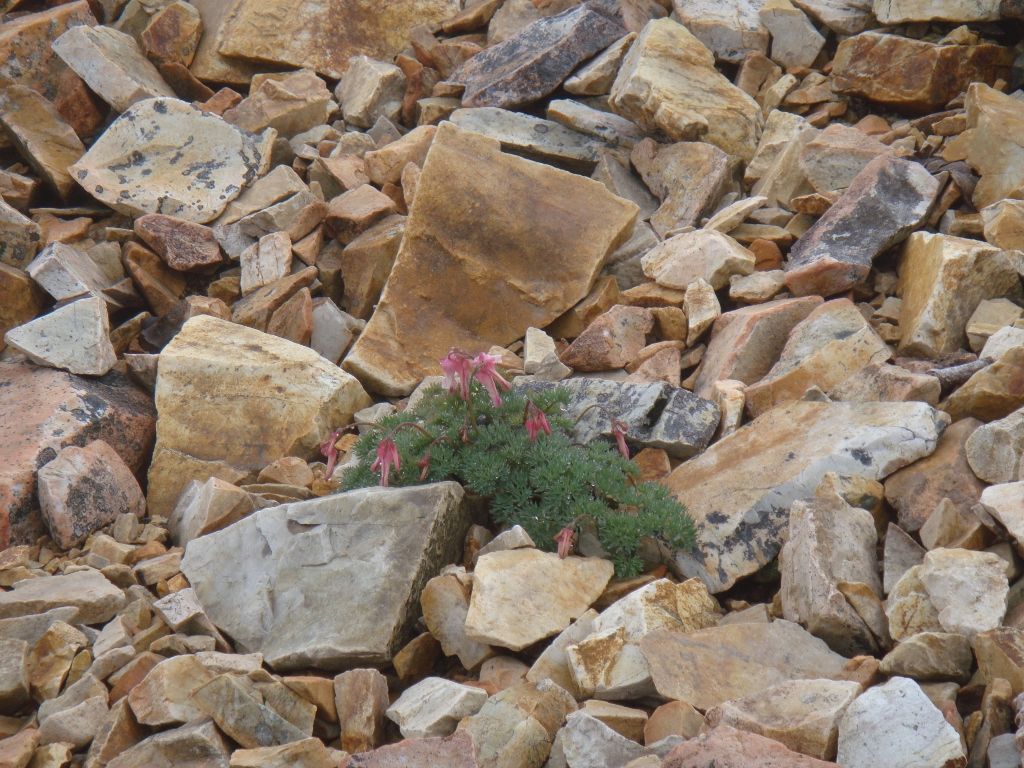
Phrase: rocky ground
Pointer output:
(782, 243)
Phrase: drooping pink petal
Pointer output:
(424, 465)
(619, 430)
(487, 374)
(536, 421)
(329, 449)
(387, 456)
(566, 538)
(457, 368)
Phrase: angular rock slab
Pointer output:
(43, 410)
(728, 747)
(165, 156)
(901, 11)
(464, 253)
(992, 144)
(329, 583)
(668, 84)
(884, 203)
(75, 338)
(232, 399)
(323, 36)
(94, 598)
(710, 666)
(740, 490)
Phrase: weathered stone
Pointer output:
(369, 90)
(242, 715)
(556, 590)
(968, 589)
(901, 553)
(739, 491)
(881, 382)
(361, 698)
(942, 281)
(727, 747)
(184, 245)
(930, 657)
(829, 542)
(14, 681)
(553, 663)
(21, 239)
(173, 34)
(802, 714)
(326, 38)
(824, 349)
(534, 62)
(863, 67)
(434, 707)
(289, 103)
(533, 137)
(595, 78)
(585, 740)
(268, 260)
(1000, 654)
(17, 750)
(156, 158)
(612, 340)
(46, 410)
(668, 84)
(111, 63)
(196, 745)
(702, 308)
(95, 598)
(1005, 502)
(834, 157)
(418, 320)
(908, 607)
(199, 388)
(308, 753)
(422, 526)
(896, 724)
(991, 315)
(676, 718)
(991, 144)
(993, 392)
(730, 29)
(455, 751)
(900, 11)
(65, 272)
(445, 603)
(710, 666)
(884, 203)
(75, 338)
(162, 287)
(1004, 224)
(626, 721)
(41, 136)
(704, 254)
(164, 695)
(795, 40)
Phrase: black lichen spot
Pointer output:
(45, 457)
(160, 107)
(862, 456)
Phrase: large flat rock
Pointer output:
(740, 490)
(329, 583)
(486, 230)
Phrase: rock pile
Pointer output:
(779, 242)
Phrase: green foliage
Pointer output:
(543, 485)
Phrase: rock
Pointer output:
(668, 84)
(586, 741)
(196, 745)
(900, 11)
(993, 392)
(829, 542)
(795, 40)
(424, 525)
(740, 489)
(999, 656)
(417, 320)
(445, 603)
(710, 666)
(746, 342)
(352, 212)
(46, 410)
(885, 202)
(612, 340)
(943, 281)
(308, 753)
(173, 34)
(727, 747)
(370, 90)
(703, 254)
(676, 718)
(77, 725)
(112, 65)
(455, 751)
(265, 262)
(824, 349)
(556, 590)
(289, 103)
(701, 307)
(595, 78)
(199, 387)
(88, 591)
(908, 607)
(85, 489)
(1000, 342)
(183, 245)
(205, 507)
(803, 715)
(863, 67)
(324, 39)
(19, 748)
(361, 699)
(164, 695)
(14, 683)
(242, 715)
(916, 491)
(540, 356)
(730, 29)
(21, 241)
(1004, 224)
(38, 131)
(627, 721)
(1004, 503)
(75, 337)
(433, 707)
(656, 415)
(968, 589)
(881, 382)
(155, 158)
(990, 144)
(533, 137)
(535, 61)
(896, 724)
(833, 158)
(689, 177)
(930, 657)
(553, 663)
(901, 553)
(65, 273)
(991, 315)
(385, 165)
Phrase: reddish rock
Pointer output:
(353, 212)
(294, 319)
(84, 489)
(20, 299)
(535, 61)
(44, 410)
(727, 747)
(927, 75)
(613, 340)
(183, 245)
(455, 751)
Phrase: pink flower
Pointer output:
(387, 454)
(565, 538)
(487, 374)
(424, 465)
(619, 430)
(536, 422)
(329, 449)
(457, 373)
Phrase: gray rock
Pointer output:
(995, 450)
(75, 338)
(14, 689)
(330, 582)
(588, 743)
(96, 599)
(239, 712)
(433, 707)
(656, 415)
(196, 745)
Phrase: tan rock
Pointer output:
(930, 657)
(668, 83)
(1000, 654)
(612, 340)
(18, 749)
(369, 90)
(193, 745)
(796, 42)
(595, 78)
(75, 338)
(42, 137)
(836, 155)
(943, 280)
(676, 718)
(95, 598)
(730, 29)
(968, 589)
(289, 103)
(993, 392)
(710, 666)
(495, 617)
(706, 254)
(208, 63)
(385, 165)
(417, 321)
(702, 309)
(241, 713)
(445, 603)
(900, 11)
(909, 609)
(21, 239)
(1004, 224)
(199, 377)
(354, 211)
(990, 316)
(881, 382)
(324, 39)
(831, 344)
(995, 450)
(553, 662)
(268, 260)
(164, 696)
(366, 263)
(992, 145)
(901, 553)
(727, 747)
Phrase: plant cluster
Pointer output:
(516, 452)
